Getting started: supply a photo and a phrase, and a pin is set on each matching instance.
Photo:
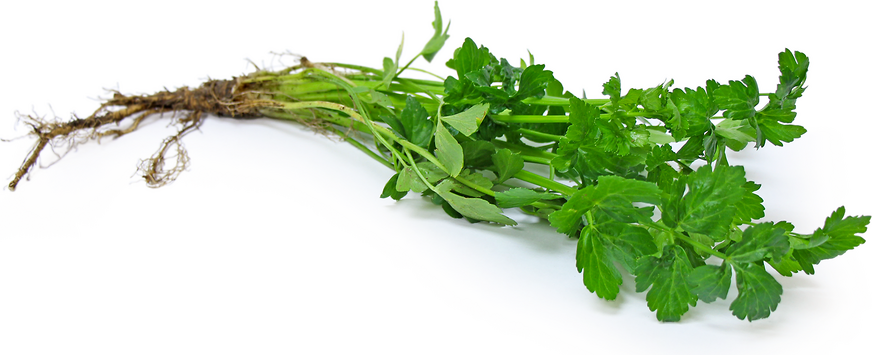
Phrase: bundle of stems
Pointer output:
(641, 177)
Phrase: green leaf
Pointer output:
(612, 88)
(759, 293)
(774, 131)
(670, 295)
(600, 275)
(417, 127)
(601, 245)
(760, 241)
(507, 164)
(467, 121)
(793, 67)
(626, 243)
(394, 122)
(409, 180)
(380, 99)
(431, 172)
(711, 282)
(534, 79)
(469, 58)
(475, 178)
(750, 207)
(612, 194)
(477, 154)
(450, 210)
(695, 109)
(390, 189)
(786, 266)
(519, 196)
(438, 40)
(709, 205)
(391, 65)
(738, 98)
(474, 208)
(843, 235)
(737, 130)
(448, 151)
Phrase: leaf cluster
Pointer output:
(639, 177)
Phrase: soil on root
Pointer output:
(228, 98)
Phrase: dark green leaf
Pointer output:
(612, 193)
(477, 154)
(612, 88)
(626, 243)
(469, 58)
(390, 189)
(534, 79)
(711, 282)
(709, 205)
(759, 293)
(395, 124)
(774, 131)
(750, 207)
(599, 273)
(450, 210)
(670, 295)
(695, 109)
(760, 241)
(739, 98)
(842, 235)
(417, 126)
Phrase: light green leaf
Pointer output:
(391, 66)
(381, 99)
(448, 151)
(438, 40)
(738, 130)
(390, 70)
(467, 121)
(474, 208)
(409, 180)
(507, 163)
(475, 178)
(520, 196)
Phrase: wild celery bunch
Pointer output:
(619, 171)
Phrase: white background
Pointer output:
(275, 241)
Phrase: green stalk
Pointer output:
(536, 134)
(561, 101)
(542, 181)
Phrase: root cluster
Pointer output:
(229, 98)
